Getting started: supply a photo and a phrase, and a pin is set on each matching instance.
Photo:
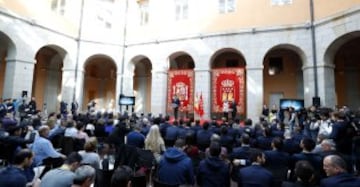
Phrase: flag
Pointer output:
(201, 106)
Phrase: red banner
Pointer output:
(228, 84)
(180, 83)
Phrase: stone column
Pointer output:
(309, 85)
(326, 82)
(254, 92)
(69, 83)
(202, 84)
(159, 92)
(128, 83)
(18, 77)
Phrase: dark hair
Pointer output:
(304, 170)
(248, 122)
(206, 125)
(179, 143)
(121, 177)
(267, 131)
(254, 154)
(245, 138)
(278, 143)
(22, 155)
(215, 149)
(73, 157)
(308, 144)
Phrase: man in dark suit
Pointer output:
(307, 145)
(32, 106)
(304, 173)
(255, 175)
(74, 107)
(233, 107)
(175, 105)
(335, 169)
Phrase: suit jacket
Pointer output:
(255, 175)
(343, 180)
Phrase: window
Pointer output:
(226, 6)
(144, 12)
(181, 9)
(58, 6)
(280, 2)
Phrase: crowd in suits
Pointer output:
(308, 147)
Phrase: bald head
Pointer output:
(334, 165)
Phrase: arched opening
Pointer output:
(228, 82)
(347, 73)
(100, 83)
(47, 77)
(282, 75)
(7, 50)
(181, 84)
(142, 84)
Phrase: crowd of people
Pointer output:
(308, 147)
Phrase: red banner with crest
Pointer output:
(228, 84)
(181, 83)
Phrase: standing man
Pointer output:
(256, 174)
(32, 106)
(63, 108)
(74, 107)
(226, 109)
(175, 104)
(233, 109)
(175, 167)
(23, 110)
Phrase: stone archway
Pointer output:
(230, 65)
(347, 74)
(142, 84)
(100, 83)
(7, 51)
(282, 75)
(181, 84)
(47, 78)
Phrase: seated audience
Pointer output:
(43, 148)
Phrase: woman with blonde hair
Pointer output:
(155, 142)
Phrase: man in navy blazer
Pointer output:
(335, 169)
(256, 174)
